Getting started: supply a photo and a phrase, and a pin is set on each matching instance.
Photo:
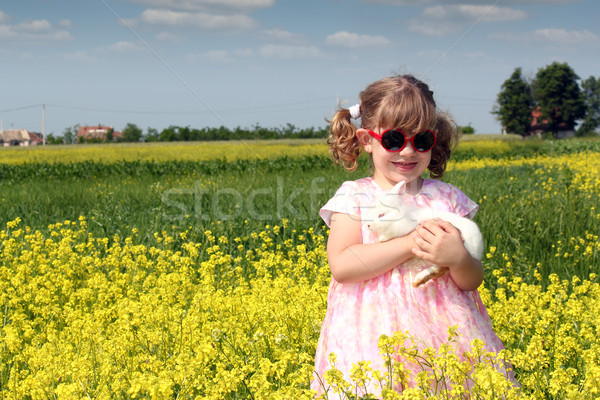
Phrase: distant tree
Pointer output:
(51, 139)
(177, 133)
(514, 103)
(131, 133)
(70, 134)
(221, 133)
(591, 97)
(184, 133)
(152, 134)
(289, 130)
(168, 134)
(467, 130)
(559, 96)
(260, 132)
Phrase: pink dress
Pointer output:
(358, 313)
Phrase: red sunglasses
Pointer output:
(395, 140)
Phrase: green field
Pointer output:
(116, 194)
(240, 239)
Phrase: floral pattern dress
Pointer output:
(359, 312)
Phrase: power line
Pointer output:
(272, 107)
(20, 108)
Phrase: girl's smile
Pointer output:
(405, 166)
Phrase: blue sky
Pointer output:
(203, 63)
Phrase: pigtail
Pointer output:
(448, 135)
(344, 146)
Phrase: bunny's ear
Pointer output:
(399, 188)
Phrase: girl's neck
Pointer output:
(413, 187)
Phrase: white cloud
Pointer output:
(452, 19)
(565, 37)
(33, 26)
(282, 35)
(434, 28)
(195, 5)
(125, 47)
(4, 18)
(473, 12)
(33, 30)
(398, 2)
(354, 40)
(5, 32)
(199, 20)
(222, 56)
(290, 52)
(550, 36)
(430, 54)
(167, 37)
(128, 22)
(65, 23)
(482, 2)
(545, 1)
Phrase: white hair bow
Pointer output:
(354, 111)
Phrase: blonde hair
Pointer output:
(399, 102)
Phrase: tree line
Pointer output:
(550, 102)
(133, 133)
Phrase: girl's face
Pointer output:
(392, 167)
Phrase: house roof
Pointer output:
(14, 134)
(536, 124)
(97, 132)
(93, 130)
(36, 137)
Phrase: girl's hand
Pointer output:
(441, 243)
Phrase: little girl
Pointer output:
(371, 292)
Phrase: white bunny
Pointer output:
(393, 217)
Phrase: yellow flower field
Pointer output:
(200, 151)
(586, 167)
(189, 151)
(110, 318)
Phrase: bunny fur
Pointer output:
(392, 217)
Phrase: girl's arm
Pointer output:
(440, 243)
(352, 261)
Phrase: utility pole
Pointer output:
(43, 124)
